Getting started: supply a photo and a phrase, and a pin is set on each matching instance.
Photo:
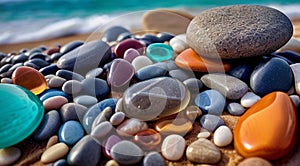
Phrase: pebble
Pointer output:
(54, 103)
(242, 72)
(72, 111)
(169, 96)
(203, 133)
(56, 82)
(235, 109)
(273, 75)
(153, 159)
(70, 132)
(81, 154)
(295, 99)
(178, 43)
(127, 153)
(203, 151)
(109, 143)
(173, 147)
(85, 57)
(54, 153)
(51, 69)
(188, 59)
(6, 81)
(112, 33)
(111, 163)
(101, 130)
(85, 100)
(95, 87)
(181, 75)
(193, 84)
(211, 122)
(72, 87)
(131, 126)
(178, 125)
(9, 155)
(249, 99)
(102, 117)
(148, 139)
(61, 162)
(229, 86)
(48, 127)
(158, 52)
(255, 137)
(192, 112)
(120, 75)
(117, 118)
(225, 35)
(211, 102)
(163, 20)
(296, 70)
(52, 141)
(130, 54)
(165, 36)
(140, 62)
(70, 46)
(21, 113)
(150, 71)
(255, 161)
(121, 47)
(289, 55)
(69, 75)
(30, 79)
(94, 73)
(223, 136)
(51, 93)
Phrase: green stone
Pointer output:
(158, 52)
(20, 114)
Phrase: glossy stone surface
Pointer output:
(178, 43)
(235, 109)
(140, 62)
(101, 130)
(126, 44)
(22, 107)
(112, 33)
(54, 103)
(190, 60)
(257, 161)
(155, 98)
(211, 122)
(158, 52)
(117, 118)
(153, 159)
(253, 134)
(131, 126)
(70, 132)
(173, 147)
(151, 71)
(130, 54)
(194, 85)
(30, 79)
(48, 127)
(147, 139)
(127, 153)
(51, 93)
(95, 87)
(177, 125)
(9, 155)
(54, 153)
(223, 136)
(296, 72)
(249, 99)
(72, 111)
(109, 143)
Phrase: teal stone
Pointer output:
(158, 52)
(20, 114)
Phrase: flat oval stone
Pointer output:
(178, 43)
(229, 86)
(70, 46)
(155, 98)
(112, 33)
(120, 74)
(203, 151)
(203, 133)
(255, 161)
(192, 112)
(131, 126)
(211, 102)
(95, 87)
(48, 127)
(52, 141)
(126, 44)
(30, 79)
(255, 137)
(153, 158)
(109, 143)
(223, 136)
(230, 34)
(127, 153)
(149, 72)
(56, 82)
(148, 139)
(70, 132)
(130, 54)
(117, 118)
(140, 62)
(54, 103)
(69, 75)
(23, 108)
(190, 60)
(81, 154)
(9, 155)
(72, 87)
(181, 74)
(54, 153)
(85, 57)
(85, 100)
(111, 163)
(51, 69)
(101, 130)
(178, 125)
(249, 99)
(72, 111)
(235, 109)
(273, 75)
(158, 52)
(173, 147)
(51, 93)
(211, 122)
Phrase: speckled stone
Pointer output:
(249, 99)
(235, 109)
(153, 159)
(54, 153)
(229, 86)
(127, 153)
(211, 122)
(9, 155)
(203, 151)
(173, 147)
(227, 32)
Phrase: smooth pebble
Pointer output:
(117, 118)
(54, 103)
(173, 147)
(9, 155)
(223, 136)
(153, 159)
(131, 126)
(48, 127)
(249, 99)
(140, 62)
(101, 130)
(235, 109)
(85, 100)
(127, 153)
(54, 153)
(178, 43)
(70, 132)
(211, 122)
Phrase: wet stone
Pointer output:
(111, 163)
(173, 147)
(295, 99)
(158, 52)
(155, 98)
(154, 159)
(38, 62)
(70, 46)
(140, 62)
(95, 87)
(181, 75)
(9, 155)
(126, 44)
(70, 132)
(117, 118)
(102, 117)
(211, 122)
(235, 109)
(130, 54)
(249, 99)
(112, 33)
(48, 127)
(54, 153)
(193, 84)
(148, 139)
(54, 103)
(178, 43)
(178, 125)
(94, 73)
(61, 162)
(56, 82)
(242, 72)
(223, 136)
(126, 152)
(51, 93)
(51, 69)
(101, 130)
(52, 141)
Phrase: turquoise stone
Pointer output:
(158, 52)
(20, 114)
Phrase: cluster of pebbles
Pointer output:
(218, 91)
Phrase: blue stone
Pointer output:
(242, 72)
(39, 62)
(211, 102)
(291, 55)
(211, 122)
(95, 87)
(51, 93)
(69, 75)
(272, 75)
(193, 84)
(112, 33)
(5, 68)
(235, 109)
(70, 46)
(48, 127)
(151, 71)
(153, 159)
(70, 132)
(165, 36)
(95, 110)
(51, 69)
(181, 75)
(61, 162)
(38, 55)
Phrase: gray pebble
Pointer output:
(127, 153)
(153, 159)
(72, 111)
(211, 122)
(85, 100)
(72, 87)
(117, 118)
(235, 109)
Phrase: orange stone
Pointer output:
(148, 138)
(268, 129)
(178, 125)
(189, 59)
(30, 79)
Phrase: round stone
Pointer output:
(54, 153)
(130, 54)
(140, 62)
(173, 147)
(112, 33)
(72, 111)
(235, 109)
(203, 151)
(158, 52)
(111, 163)
(211, 102)
(56, 82)
(193, 84)
(117, 118)
(149, 72)
(70, 132)
(95, 87)
(203, 133)
(109, 143)
(177, 125)
(9, 155)
(54, 103)
(94, 73)
(69, 75)
(72, 87)
(249, 99)
(153, 159)
(230, 34)
(23, 108)
(48, 127)
(211, 122)
(101, 130)
(178, 43)
(120, 48)
(127, 153)
(52, 141)
(223, 136)
(155, 98)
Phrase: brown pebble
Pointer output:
(192, 112)
(54, 103)
(52, 141)
(255, 161)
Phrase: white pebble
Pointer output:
(173, 147)
(223, 136)
(203, 133)
(249, 99)
(9, 155)
(178, 43)
(140, 62)
(117, 118)
(235, 109)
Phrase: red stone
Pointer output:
(268, 129)
(126, 44)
